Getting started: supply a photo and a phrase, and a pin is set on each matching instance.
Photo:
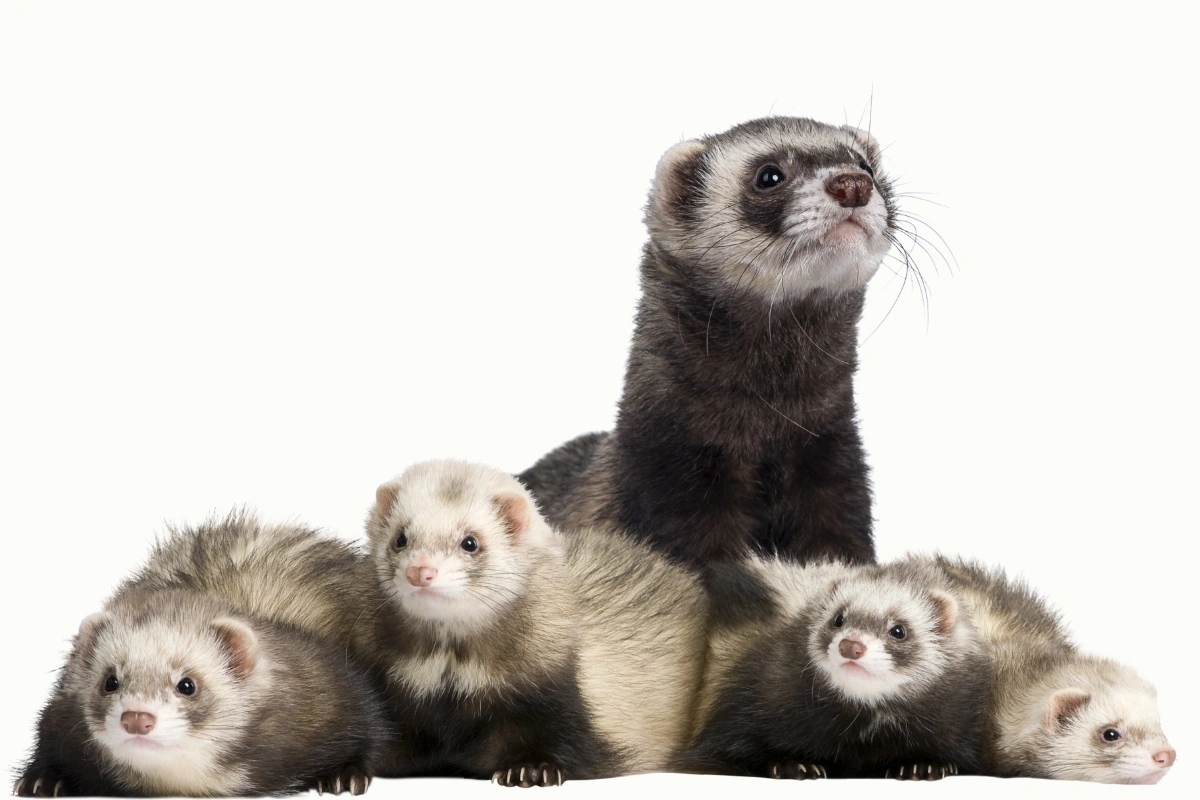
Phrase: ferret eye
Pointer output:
(1111, 734)
(470, 544)
(768, 177)
(865, 167)
(838, 621)
(112, 684)
(186, 687)
(897, 632)
(400, 542)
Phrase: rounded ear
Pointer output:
(677, 180)
(1063, 705)
(385, 498)
(89, 631)
(864, 140)
(946, 609)
(515, 512)
(240, 645)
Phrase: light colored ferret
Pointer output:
(837, 671)
(173, 692)
(1054, 712)
(519, 655)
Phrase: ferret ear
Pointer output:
(515, 512)
(385, 498)
(677, 179)
(89, 631)
(240, 644)
(946, 609)
(1063, 705)
(864, 140)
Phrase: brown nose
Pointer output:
(849, 648)
(1165, 758)
(850, 189)
(420, 576)
(137, 722)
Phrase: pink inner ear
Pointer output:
(1063, 705)
(947, 612)
(89, 631)
(385, 497)
(240, 645)
(515, 512)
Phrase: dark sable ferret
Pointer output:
(516, 654)
(737, 424)
(837, 671)
(175, 693)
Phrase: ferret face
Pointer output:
(1109, 732)
(455, 543)
(877, 640)
(164, 694)
(781, 207)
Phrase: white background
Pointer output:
(271, 254)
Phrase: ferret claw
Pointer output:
(794, 770)
(17, 788)
(529, 775)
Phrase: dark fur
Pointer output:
(737, 426)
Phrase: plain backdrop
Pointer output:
(273, 253)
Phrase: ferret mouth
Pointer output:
(141, 743)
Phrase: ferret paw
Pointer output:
(40, 783)
(529, 775)
(921, 772)
(347, 779)
(795, 771)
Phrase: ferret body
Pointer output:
(515, 654)
(736, 430)
(176, 693)
(839, 671)
(1053, 711)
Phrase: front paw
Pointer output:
(40, 783)
(529, 775)
(921, 771)
(794, 770)
(347, 779)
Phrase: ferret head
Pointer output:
(781, 207)
(164, 683)
(877, 639)
(456, 543)
(1100, 723)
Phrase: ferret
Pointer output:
(176, 693)
(839, 671)
(517, 654)
(286, 573)
(1053, 711)
(736, 430)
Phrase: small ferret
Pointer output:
(833, 670)
(173, 692)
(517, 654)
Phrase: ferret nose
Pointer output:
(1165, 758)
(420, 576)
(139, 722)
(850, 189)
(849, 648)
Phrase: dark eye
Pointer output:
(1111, 734)
(401, 541)
(186, 687)
(470, 544)
(897, 632)
(838, 621)
(112, 684)
(865, 167)
(768, 177)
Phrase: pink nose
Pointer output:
(420, 576)
(849, 648)
(1165, 758)
(142, 722)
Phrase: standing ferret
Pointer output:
(736, 429)
(1053, 711)
(515, 654)
(831, 670)
(174, 692)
